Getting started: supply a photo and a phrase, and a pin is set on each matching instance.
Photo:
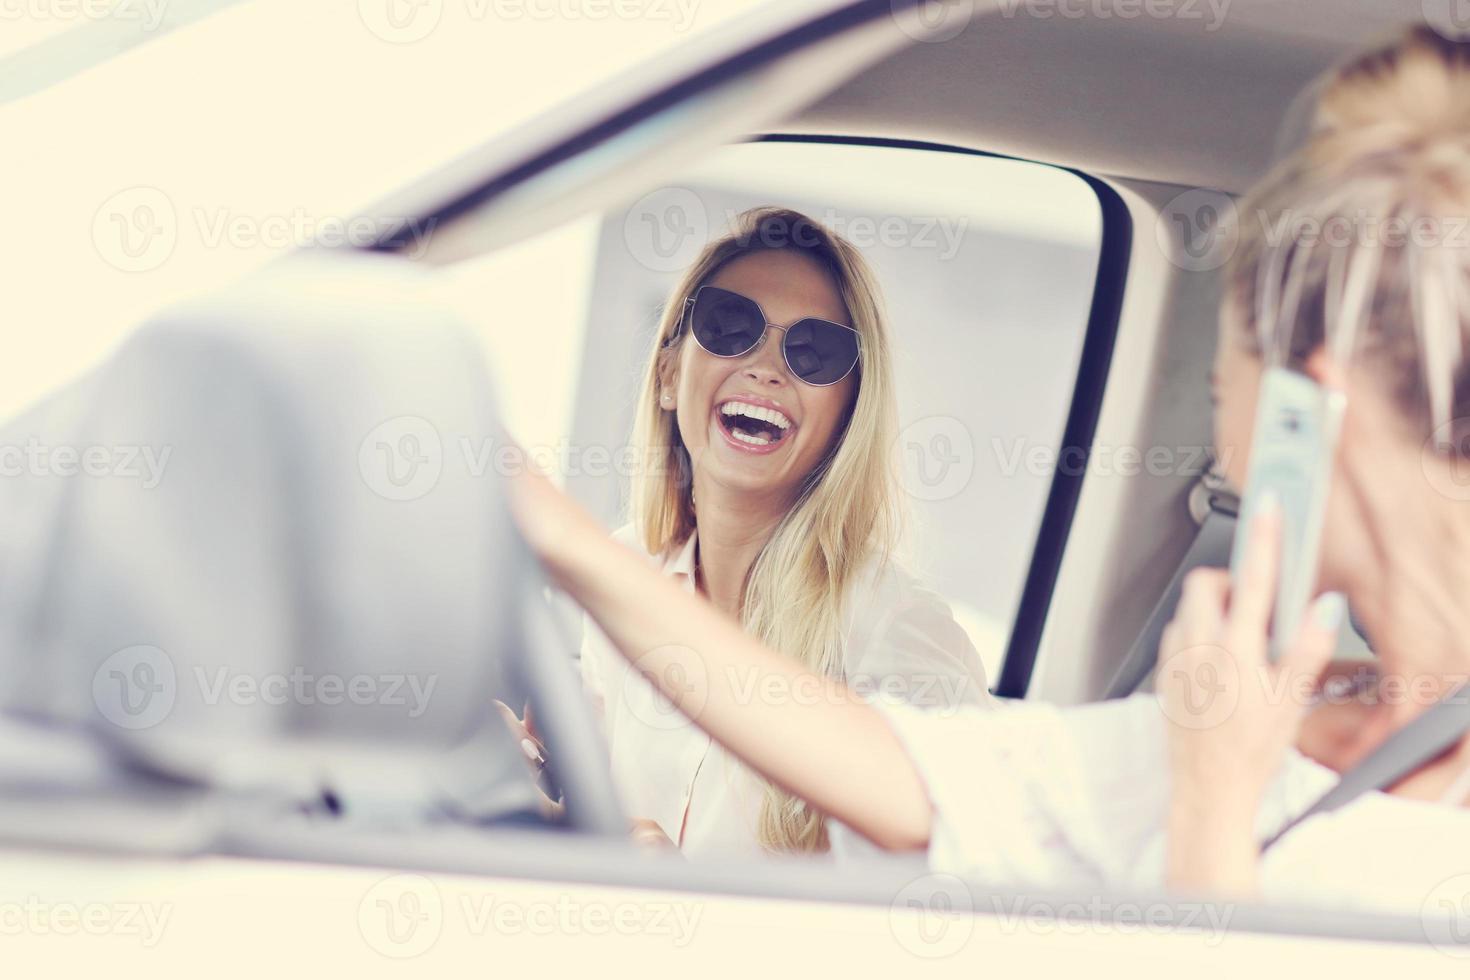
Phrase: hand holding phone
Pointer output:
(1292, 449)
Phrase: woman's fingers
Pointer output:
(512, 721)
(648, 834)
(1253, 595)
(529, 720)
(1196, 623)
(530, 745)
(1201, 610)
(1316, 639)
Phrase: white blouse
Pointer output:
(1042, 795)
(901, 643)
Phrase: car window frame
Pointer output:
(1094, 365)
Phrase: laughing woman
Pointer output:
(766, 417)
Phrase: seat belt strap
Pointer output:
(1211, 547)
(1422, 740)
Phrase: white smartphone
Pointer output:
(1292, 449)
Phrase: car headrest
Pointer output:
(260, 544)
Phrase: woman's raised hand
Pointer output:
(1232, 713)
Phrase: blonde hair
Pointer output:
(847, 512)
(1349, 242)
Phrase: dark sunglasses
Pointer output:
(726, 324)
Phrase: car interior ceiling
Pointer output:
(1083, 92)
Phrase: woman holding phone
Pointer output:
(765, 422)
(1150, 790)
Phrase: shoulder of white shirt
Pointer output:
(881, 579)
(628, 535)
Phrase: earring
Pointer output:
(666, 399)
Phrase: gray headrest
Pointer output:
(261, 545)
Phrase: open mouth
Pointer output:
(754, 425)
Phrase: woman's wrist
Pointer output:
(1212, 847)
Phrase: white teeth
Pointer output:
(756, 412)
(753, 440)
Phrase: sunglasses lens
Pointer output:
(820, 353)
(726, 323)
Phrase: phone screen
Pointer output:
(1292, 448)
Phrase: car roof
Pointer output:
(1181, 99)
